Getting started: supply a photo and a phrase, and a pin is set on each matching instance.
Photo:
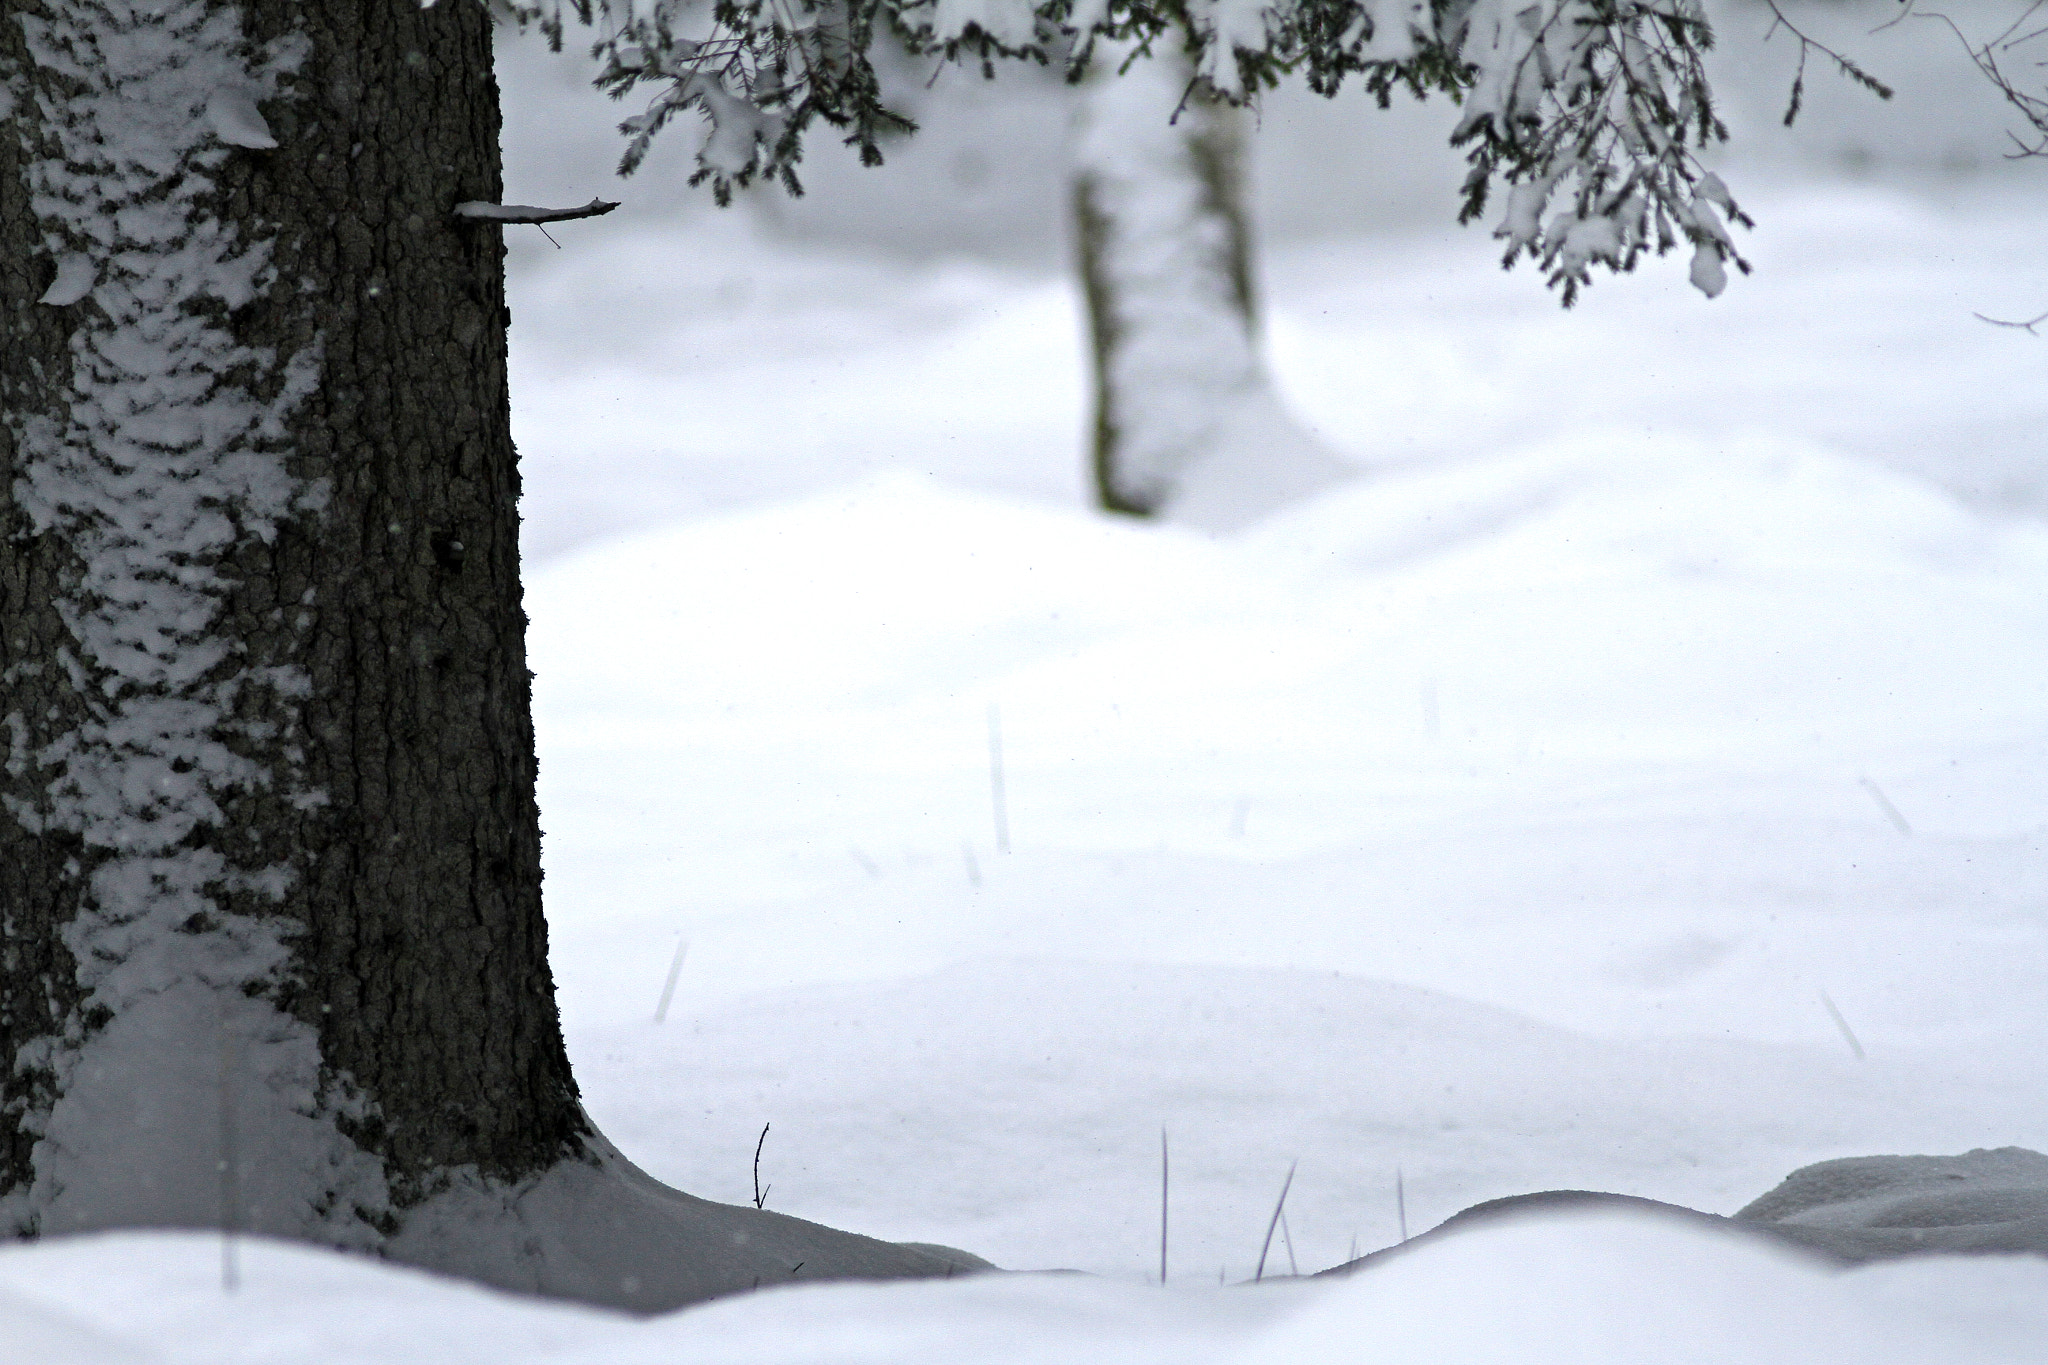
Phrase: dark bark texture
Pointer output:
(419, 949)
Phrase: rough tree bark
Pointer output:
(271, 945)
(1187, 424)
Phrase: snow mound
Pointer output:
(1613, 1286)
(1682, 505)
(1578, 1290)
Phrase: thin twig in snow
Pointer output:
(1274, 1223)
(668, 987)
(1848, 1034)
(1401, 1202)
(997, 797)
(760, 1195)
(230, 1194)
(1165, 1184)
(1885, 804)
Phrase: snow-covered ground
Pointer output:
(1523, 817)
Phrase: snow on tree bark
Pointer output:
(149, 459)
(269, 853)
(1187, 423)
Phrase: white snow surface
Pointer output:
(1507, 821)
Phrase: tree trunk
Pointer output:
(1187, 425)
(273, 949)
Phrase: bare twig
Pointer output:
(1884, 803)
(477, 211)
(760, 1194)
(1165, 1185)
(2030, 106)
(2028, 326)
(1848, 1034)
(998, 798)
(668, 987)
(230, 1159)
(1273, 1224)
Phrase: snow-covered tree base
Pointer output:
(596, 1228)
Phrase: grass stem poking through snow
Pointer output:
(1848, 1034)
(1401, 1202)
(668, 987)
(1884, 803)
(1279, 1208)
(760, 1195)
(1165, 1184)
(230, 1195)
(997, 799)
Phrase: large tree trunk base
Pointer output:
(597, 1229)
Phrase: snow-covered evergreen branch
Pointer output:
(1587, 113)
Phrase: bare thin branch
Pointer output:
(478, 211)
(2028, 326)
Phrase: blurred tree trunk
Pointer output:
(1187, 424)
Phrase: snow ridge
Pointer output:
(170, 455)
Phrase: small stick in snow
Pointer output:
(1273, 1224)
(1401, 1202)
(1848, 1034)
(760, 1195)
(995, 777)
(230, 1196)
(1164, 1185)
(668, 988)
(475, 210)
(1884, 804)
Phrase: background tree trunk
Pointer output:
(1187, 424)
(274, 955)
